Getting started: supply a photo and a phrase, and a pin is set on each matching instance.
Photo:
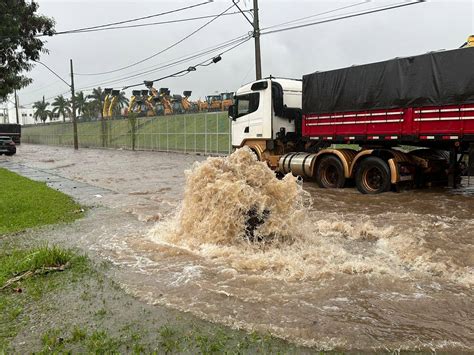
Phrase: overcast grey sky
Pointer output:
(417, 29)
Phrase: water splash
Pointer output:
(294, 240)
(225, 197)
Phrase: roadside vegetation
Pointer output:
(27, 276)
(26, 204)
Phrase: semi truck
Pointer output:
(11, 130)
(404, 122)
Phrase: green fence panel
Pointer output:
(207, 133)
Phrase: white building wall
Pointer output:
(25, 115)
(8, 115)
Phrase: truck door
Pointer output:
(246, 104)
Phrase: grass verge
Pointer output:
(26, 277)
(80, 310)
(25, 204)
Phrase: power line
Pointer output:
(40, 88)
(175, 61)
(318, 14)
(345, 17)
(131, 20)
(190, 69)
(233, 42)
(146, 69)
(48, 98)
(165, 49)
(153, 23)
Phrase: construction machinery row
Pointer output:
(153, 102)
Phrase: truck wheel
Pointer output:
(373, 176)
(330, 173)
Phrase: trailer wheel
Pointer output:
(330, 173)
(373, 176)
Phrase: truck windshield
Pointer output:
(247, 103)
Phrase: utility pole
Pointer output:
(256, 35)
(73, 103)
(16, 109)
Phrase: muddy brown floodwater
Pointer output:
(392, 271)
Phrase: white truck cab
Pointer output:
(265, 110)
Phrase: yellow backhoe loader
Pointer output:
(227, 100)
(214, 103)
(202, 105)
(113, 102)
(165, 101)
(107, 101)
(188, 106)
(132, 106)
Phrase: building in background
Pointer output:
(8, 114)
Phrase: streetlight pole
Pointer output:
(256, 35)
(73, 104)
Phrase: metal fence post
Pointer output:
(205, 134)
(229, 137)
(159, 139)
(217, 133)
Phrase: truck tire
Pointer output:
(330, 173)
(373, 176)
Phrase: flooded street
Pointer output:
(393, 271)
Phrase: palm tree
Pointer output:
(91, 110)
(122, 101)
(81, 100)
(41, 110)
(61, 107)
(98, 96)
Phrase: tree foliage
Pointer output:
(20, 26)
(122, 101)
(81, 101)
(98, 98)
(41, 110)
(62, 107)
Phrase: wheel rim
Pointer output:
(373, 179)
(330, 175)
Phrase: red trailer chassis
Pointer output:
(433, 126)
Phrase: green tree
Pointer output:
(41, 110)
(89, 111)
(98, 97)
(122, 101)
(19, 45)
(81, 101)
(61, 106)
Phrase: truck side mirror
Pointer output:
(232, 112)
